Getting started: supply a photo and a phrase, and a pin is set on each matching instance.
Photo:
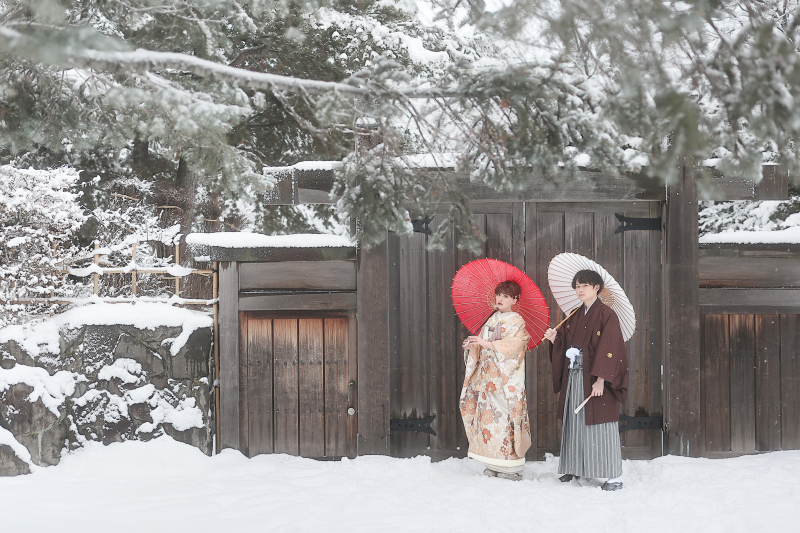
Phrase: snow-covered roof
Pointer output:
(257, 240)
(434, 160)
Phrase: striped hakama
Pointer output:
(587, 451)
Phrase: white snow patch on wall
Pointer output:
(185, 415)
(122, 369)
(43, 337)
(7, 438)
(140, 395)
(52, 390)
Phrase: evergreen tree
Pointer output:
(223, 88)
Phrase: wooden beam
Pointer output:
(229, 355)
(720, 188)
(373, 350)
(750, 301)
(750, 265)
(656, 326)
(266, 255)
(297, 302)
(314, 186)
(682, 299)
(774, 184)
(330, 275)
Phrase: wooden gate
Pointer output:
(634, 259)
(427, 367)
(297, 372)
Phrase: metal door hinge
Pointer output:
(421, 425)
(637, 224)
(627, 423)
(421, 225)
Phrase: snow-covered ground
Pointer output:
(163, 485)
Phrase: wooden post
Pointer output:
(229, 357)
(177, 263)
(215, 296)
(96, 276)
(373, 350)
(133, 272)
(682, 331)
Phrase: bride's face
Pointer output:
(504, 302)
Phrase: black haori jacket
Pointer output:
(599, 337)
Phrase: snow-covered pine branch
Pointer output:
(143, 61)
(230, 87)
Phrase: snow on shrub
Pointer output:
(129, 217)
(39, 217)
(749, 216)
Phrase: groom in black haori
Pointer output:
(589, 360)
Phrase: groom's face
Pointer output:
(586, 292)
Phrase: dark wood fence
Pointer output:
(751, 383)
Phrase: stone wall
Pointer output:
(108, 383)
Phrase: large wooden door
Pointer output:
(427, 367)
(634, 259)
(298, 385)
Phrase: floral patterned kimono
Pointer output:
(493, 403)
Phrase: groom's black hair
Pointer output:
(588, 276)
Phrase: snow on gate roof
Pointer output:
(257, 240)
(235, 246)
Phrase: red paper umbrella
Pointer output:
(474, 298)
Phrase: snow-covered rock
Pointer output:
(105, 373)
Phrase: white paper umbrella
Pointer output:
(562, 271)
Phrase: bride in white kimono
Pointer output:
(493, 402)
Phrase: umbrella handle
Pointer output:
(568, 317)
(581, 405)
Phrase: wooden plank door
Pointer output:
(259, 385)
(633, 259)
(338, 397)
(427, 368)
(311, 387)
(426, 362)
(286, 387)
(749, 383)
(298, 387)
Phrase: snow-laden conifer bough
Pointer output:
(518, 88)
